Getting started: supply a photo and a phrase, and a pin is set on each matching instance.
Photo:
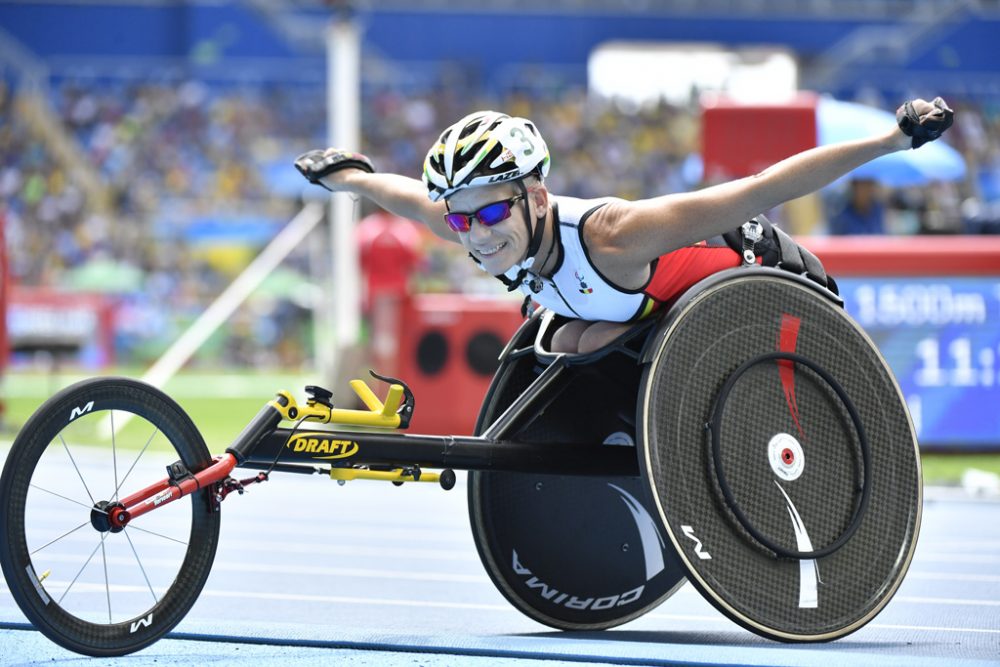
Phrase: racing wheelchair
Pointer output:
(750, 440)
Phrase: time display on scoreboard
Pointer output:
(941, 337)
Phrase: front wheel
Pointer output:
(90, 587)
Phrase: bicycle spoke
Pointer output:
(114, 457)
(58, 495)
(138, 562)
(82, 568)
(85, 523)
(107, 585)
(141, 452)
(132, 526)
(75, 467)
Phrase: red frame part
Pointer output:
(167, 491)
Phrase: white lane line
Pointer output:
(954, 576)
(443, 535)
(445, 545)
(342, 599)
(384, 575)
(240, 548)
(948, 601)
(128, 564)
(658, 616)
(962, 545)
(875, 626)
(931, 628)
(946, 557)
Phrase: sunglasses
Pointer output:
(488, 215)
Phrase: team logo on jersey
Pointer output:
(584, 288)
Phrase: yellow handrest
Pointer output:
(363, 418)
(377, 414)
(367, 396)
(392, 400)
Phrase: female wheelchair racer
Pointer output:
(749, 439)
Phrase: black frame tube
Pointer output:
(263, 444)
(462, 453)
(259, 428)
(517, 411)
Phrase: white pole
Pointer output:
(343, 316)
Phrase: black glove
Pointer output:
(927, 127)
(317, 164)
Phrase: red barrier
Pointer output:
(741, 140)
(906, 256)
(449, 349)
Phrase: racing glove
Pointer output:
(927, 126)
(319, 163)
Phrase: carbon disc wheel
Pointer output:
(782, 457)
(90, 587)
(573, 553)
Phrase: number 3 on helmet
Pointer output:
(484, 148)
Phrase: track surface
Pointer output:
(373, 574)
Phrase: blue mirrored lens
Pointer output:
(491, 214)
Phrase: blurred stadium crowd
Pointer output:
(164, 154)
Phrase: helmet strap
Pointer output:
(535, 238)
(537, 233)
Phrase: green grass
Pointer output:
(947, 468)
(221, 404)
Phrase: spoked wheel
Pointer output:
(88, 585)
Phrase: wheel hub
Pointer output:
(109, 517)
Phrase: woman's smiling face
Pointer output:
(502, 245)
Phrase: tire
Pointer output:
(91, 590)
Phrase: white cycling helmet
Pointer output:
(484, 148)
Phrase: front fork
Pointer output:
(178, 484)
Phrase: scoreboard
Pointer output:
(941, 337)
(932, 306)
